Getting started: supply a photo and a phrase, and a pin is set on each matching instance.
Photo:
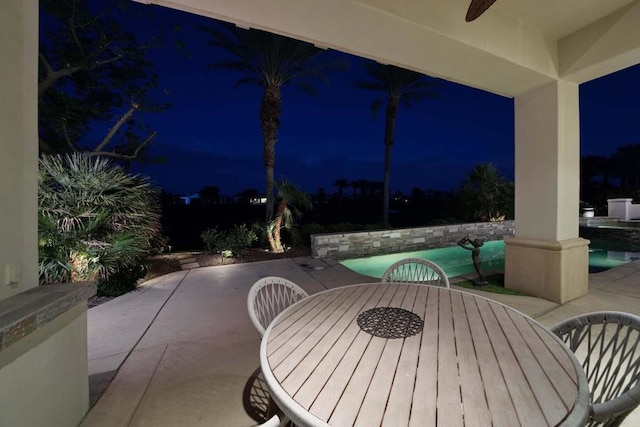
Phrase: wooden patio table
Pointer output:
(472, 361)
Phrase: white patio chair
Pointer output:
(268, 297)
(416, 270)
(273, 422)
(607, 345)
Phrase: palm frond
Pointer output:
(270, 59)
(375, 107)
(84, 203)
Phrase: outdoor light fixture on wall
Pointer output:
(477, 8)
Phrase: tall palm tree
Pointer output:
(272, 62)
(400, 87)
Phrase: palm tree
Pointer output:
(272, 62)
(590, 167)
(210, 195)
(488, 193)
(94, 219)
(290, 198)
(401, 87)
(624, 164)
(341, 184)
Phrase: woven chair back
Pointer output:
(607, 345)
(416, 270)
(268, 297)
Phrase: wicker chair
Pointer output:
(416, 270)
(268, 297)
(607, 345)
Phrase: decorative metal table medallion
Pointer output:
(390, 322)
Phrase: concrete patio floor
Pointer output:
(182, 351)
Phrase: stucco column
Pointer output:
(43, 341)
(18, 145)
(546, 258)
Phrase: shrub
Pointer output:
(94, 219)
(239, 238)
(212, 239)
(301, 236)
(122, 281)
(229, 242)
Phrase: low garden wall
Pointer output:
(380, 242)
(624, 209)
(627, 233)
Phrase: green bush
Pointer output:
(228, 242)
(122, 281)
(95, 220)
(260, 229)
(212, 239)
(301, 235)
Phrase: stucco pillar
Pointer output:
(43, 353)
(18, 145)
(546, 258)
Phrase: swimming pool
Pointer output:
(456, 261)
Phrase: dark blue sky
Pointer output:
(211, 135)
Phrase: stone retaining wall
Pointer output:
(612, 229)
(380, 242)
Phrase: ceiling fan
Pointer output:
(477, 8)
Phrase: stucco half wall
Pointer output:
(44, 377)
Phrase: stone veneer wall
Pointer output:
(380, 242)
(612, 229)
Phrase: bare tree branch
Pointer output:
(72, 26)
(107, 61)
(53, 76)
(44, 146)
(66, 136)
(45, 62)
(115, 155)
(126, 116)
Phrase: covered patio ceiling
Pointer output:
(515, 46)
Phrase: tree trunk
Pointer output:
(389, 139)
(270, 122)
(275, 240)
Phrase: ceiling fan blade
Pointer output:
(477, 8)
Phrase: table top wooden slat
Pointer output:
(449, 400)
(500, 404)
(399, 405)
(557, 352)
(475, 363)
(524, 401)
(375, 402)
(425, 389)
(546, 359)
(301, 344)
(552, 367)
(301, 373)
(341, 382)
(318, 381)
(294, 321)
(537, 376)
(349, 405)
(474, 401)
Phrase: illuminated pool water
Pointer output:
(456, 261)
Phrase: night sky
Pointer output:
(211, 134)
